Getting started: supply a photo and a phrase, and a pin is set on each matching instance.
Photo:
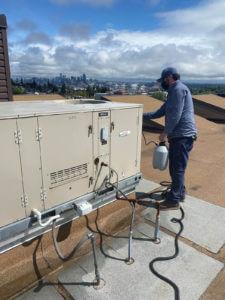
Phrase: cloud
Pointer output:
(75, 31)
(26, 24)
(37, 38)
(205, 16)
(192, 40)
(106, 3)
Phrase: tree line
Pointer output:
(49, 88)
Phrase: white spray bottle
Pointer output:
(160, 156)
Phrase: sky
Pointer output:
(115, 39)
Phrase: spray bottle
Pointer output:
(160, 156)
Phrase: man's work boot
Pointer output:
(168, 205)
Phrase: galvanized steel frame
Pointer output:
(27, 229)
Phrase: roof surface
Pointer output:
(211, 99)
(30, 97)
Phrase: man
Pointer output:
(180, 130)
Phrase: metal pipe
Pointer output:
(63, 258)
(97, 275)
(130, 259)
(157, 222)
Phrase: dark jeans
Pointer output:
(179, 150)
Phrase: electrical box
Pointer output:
(51, 152)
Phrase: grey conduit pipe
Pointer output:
(130, 259)
(63, 258)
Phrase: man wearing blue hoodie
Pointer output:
(180, 130)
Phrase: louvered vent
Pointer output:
(67, 175)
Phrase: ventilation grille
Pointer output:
(66, 175)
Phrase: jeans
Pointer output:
(179, 150)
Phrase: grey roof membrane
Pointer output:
(204, 223)
(192, 271)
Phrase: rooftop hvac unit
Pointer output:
(52, 157)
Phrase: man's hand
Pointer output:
(163, 137)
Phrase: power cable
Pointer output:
(149, 142)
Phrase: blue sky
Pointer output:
(116, 38)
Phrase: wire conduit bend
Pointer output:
(98, 281)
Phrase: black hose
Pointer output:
(161, 194)
(170, 282)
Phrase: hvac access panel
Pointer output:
(10, 174)
(126, 127)
(30, 164)
(66, 156)
(101, 139)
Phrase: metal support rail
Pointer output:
(24, 230)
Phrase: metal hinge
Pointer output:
(18, 136)
(39, 134)
(24, 200)
(43, 195)
(136, 163)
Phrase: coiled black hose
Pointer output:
(170, 282)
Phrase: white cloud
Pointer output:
(192, 40)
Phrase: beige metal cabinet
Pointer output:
(51, 153)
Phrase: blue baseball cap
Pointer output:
(166, 72)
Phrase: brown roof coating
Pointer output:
(29, 97)
(205, 173)
(211, 99)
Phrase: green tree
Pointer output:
(159, 95)
(17, 90)
(54, 89)
(63, 89)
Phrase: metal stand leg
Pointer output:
(98, 281)
(129, 260)
(157, 222)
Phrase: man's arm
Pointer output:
(174, 110)
(155, 114)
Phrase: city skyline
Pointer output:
(115, 39)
